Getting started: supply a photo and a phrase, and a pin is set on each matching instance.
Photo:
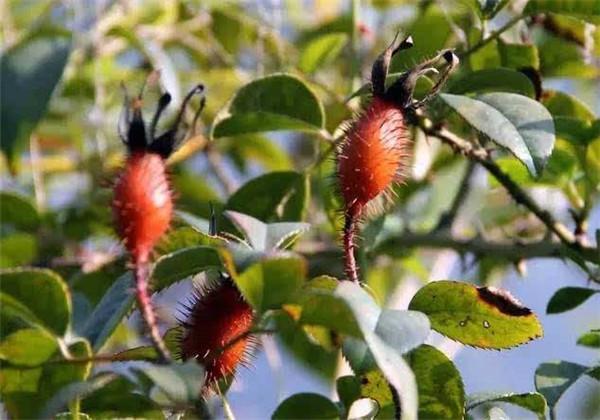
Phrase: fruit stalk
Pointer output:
(141, 274)
(350, 266)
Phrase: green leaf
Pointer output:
(94, 284)
(348, 389)
(477, 316)
(582, 9)
(590, 339)
(302, 343)
(552, 379)
(276, 196)
(321, 51)
(592, 162)
(119, 399)
(306, 406)
(561, 104)
(390, 362)
(28, 347)
(186, 237)
(53, 312)
(266, 237)
(30, 72)
(279, 102)
(516, 122)
(17, 249)
(245, 150)
(519, 56)
(531, 401)
(271, 283)
(109, 312)
(493, 80)
(568, 298)
(441, 390)
(25, 392)
(430, 32)
(182, 263)
(18, 210)
(179, 383)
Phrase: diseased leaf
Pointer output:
(306, 405)
(441, 390)
(513, 121)
(321, 51)
(276, 196)
(478, 316)
(53, 312)
(30, 72)
(531, 401)
(568, 298)
(279, 102)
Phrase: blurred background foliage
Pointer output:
(64, 63)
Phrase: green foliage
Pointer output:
(256, 200)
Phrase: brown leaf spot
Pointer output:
(503, 301)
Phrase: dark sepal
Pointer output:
(402, 90)
(168, 142)
(380, 68)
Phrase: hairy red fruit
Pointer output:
(374, 154)
(142, 204)
(217, 330)
(375, 150)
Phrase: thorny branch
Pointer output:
(483, 157)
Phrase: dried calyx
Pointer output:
(133, 130)
(401, 91)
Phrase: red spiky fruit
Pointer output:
(374, 154)
(217, 326)
(142, 204)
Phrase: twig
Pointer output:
(510, 251)
(482, 156)
(447, 218)
(216, 165)
(493, 36)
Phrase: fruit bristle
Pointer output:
(142, 204)
(217, 330)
